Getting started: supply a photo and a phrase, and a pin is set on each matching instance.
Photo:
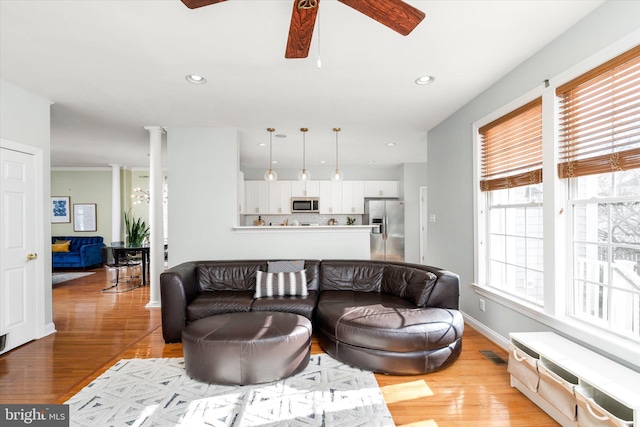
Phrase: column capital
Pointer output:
(152, 129)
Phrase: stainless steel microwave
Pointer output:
(305, 204)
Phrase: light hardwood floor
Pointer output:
(94, 330)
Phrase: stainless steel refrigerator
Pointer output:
(387, 240)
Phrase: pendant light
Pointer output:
(303, 175)
(270, 175)
(337, 175)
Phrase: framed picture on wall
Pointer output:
(84, 217)
(60, 209)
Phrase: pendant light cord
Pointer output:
(336, 130)
(270, 151)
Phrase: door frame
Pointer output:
(42, 275)
(423, 223)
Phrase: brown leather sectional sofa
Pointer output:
(389, 317)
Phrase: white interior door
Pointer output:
(17, 248)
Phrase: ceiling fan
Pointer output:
(395, 14)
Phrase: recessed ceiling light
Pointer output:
(322, 162)
(195, 79)
(274, 161)
(390, 144)
(425, 80)
(262, 144)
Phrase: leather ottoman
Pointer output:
(246, 347)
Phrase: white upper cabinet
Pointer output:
(346, 197)
(381, 189)
(256, 197)
(353, 197)
(330, 197)
(305, 188)
(280, 197)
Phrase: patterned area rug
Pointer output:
(63, 277)
(157, 392)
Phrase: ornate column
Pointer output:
(116, 204)
(156, 225)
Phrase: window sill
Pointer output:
(610, 345)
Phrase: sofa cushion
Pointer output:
(219, 302)
(67, 258)
(301, 305)
(387, 323)
(228, 276)
(280, 284)
(285, 266)
(351, 276)
(409, 283)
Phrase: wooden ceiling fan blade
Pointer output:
(395, 14)
(194, 4)
(303, 19)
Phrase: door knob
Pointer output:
(31, 257)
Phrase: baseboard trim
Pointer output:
(45, 330)
(49, 328)
(489, 333)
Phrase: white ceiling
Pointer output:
(115, 66)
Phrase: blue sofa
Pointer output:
(83, 252)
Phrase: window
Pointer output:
(600, 157)
(511, 177)
(587, 285)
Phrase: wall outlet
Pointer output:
(481, 304)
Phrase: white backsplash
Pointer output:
(302, 218)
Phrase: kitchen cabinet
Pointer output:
(256, 197)
(346, 197)
(381, 189)
(353, 197)
(305, 188)
(279, 197)
(330, 197)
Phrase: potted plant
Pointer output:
(136, 230)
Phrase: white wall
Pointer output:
(450, 164)
(202, 170)
(413, 176)
(84, 186)
(25, 119)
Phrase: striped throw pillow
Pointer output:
(281, 284)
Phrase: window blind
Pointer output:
(511, 149)
(600, 119)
